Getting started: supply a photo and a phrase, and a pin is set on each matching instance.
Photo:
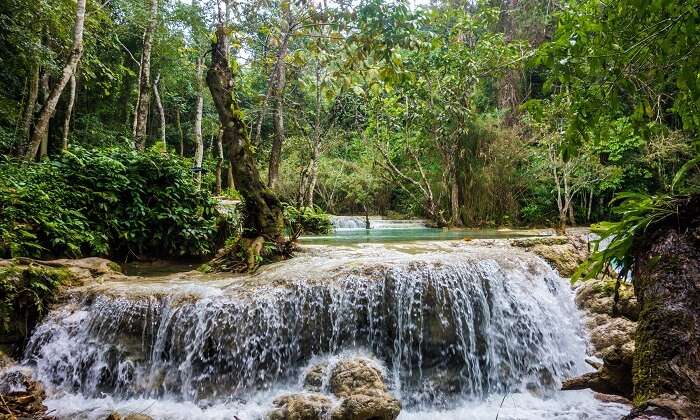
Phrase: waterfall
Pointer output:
(359, 222)
(450, 325)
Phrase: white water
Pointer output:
(458, 328)
(359, 222)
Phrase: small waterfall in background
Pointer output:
(359, 222)
(454, 328)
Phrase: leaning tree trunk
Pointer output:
(198, 140)
(161, 112)
(45, 92)
(142, 103)
(42, 124)
(667, 342)
(69, 112)
(263, 209)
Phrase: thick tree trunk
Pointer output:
(142, 103)
(219, 160)
(42, 124)
(161, 112)
(263, 209)
(667, 343)
(69, 112)
(179, 131)
(198, 140)
(31, 103)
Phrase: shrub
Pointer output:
(307, 220)
(116, 202)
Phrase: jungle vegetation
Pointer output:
(119, 120)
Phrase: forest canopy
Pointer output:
(479, 113)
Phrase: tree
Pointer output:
(263, 210)
(143, 99)
(42, 123)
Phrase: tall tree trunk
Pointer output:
(161, 112)
(42, 124)
(263, 209)
(278, 119)
(45, 92)
(198, 140)
(219, 160)
(69, 112)
(142, 103)
(31, 103)
(179, 131)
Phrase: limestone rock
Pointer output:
(366, 407)
(564, 253)
(311, 406)
(356, 376)
(313, 381)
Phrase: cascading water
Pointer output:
(456, 326)
(359, 222)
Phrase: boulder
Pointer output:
(313, 381)
(564, 253)
(613, 377)
(22, 396)
(307, 406)
(356, 376)
(366, 407)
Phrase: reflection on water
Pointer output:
(350, 236)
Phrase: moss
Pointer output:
(114, 266)
(27, 291)
(653, 351)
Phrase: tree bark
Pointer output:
(142, 103)
(219, 160)
(45, 92)
(230, 183)
(666, 281)
(198, 140)
(31, 103)
(69, 112)
(263, 210)
(42, 124)
(161, 112)
(278, 120)
(179, 131)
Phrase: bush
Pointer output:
(307, 220)
(115, 202)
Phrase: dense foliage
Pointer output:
(113, 201)
(485, 113)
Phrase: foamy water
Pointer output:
(460, 331)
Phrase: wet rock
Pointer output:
(611, 398)
(564, 253)
(22, 396)
(311, 406)
(611, 334)
(356, 376)
(313, 381)
(613, 377)
(366, 407)
(364, 391)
